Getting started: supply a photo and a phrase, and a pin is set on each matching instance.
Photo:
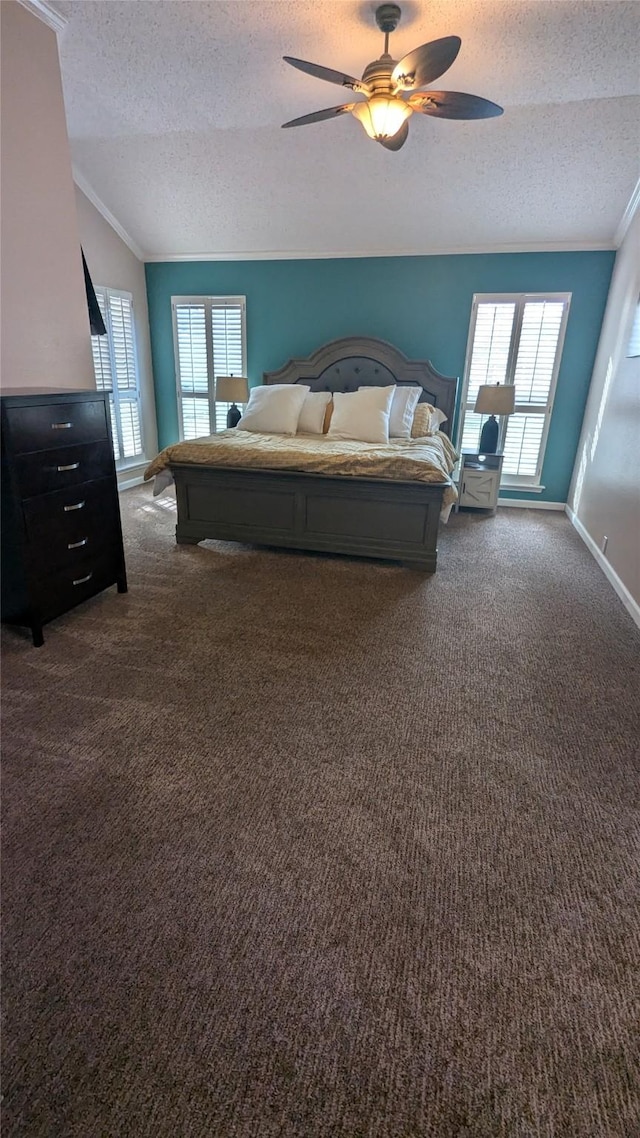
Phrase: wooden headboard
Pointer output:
(361, 361)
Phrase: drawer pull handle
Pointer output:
(61, 426)
(77, 544)
(76, 506)
(69, 466)
(83, 580)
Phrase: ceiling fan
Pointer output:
(392, 90)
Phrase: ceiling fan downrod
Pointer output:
(387, 19)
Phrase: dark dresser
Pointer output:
(61, 533)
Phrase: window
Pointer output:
(114, 363)
(210, 340)
(515, 339)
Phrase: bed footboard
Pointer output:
(395, 521)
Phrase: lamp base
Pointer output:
(234, 415)
(489, 436)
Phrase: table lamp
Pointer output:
(232, 389)
(493, 400)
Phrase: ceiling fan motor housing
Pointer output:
(378, 74)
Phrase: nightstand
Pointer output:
(479, 480)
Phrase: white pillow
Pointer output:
(274, 410)
(311, 419)
(362, 415)
(405, 401)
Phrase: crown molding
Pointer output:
(88, 191)
(45, 12)
(628, 215)
(345, 255)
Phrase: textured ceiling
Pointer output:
(174, 112)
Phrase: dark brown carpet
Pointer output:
(303, 847)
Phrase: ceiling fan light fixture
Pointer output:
(382, 116)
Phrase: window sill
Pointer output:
(123, 465)
(522, 487)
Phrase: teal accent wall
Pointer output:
(420, 304)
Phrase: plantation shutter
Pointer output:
(210, 341)
(193, 370)
(519, 341)
(114, 362)
(490, 353)
(533, 379)
(226, 325)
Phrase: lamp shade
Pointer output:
(232, 389)
(496, 400)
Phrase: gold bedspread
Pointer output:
(429, 459)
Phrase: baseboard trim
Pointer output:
(130, 482)
(526, 504)
(632, 606)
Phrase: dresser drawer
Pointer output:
(67, 512)
(43, 471)
(68, 587)
(56, 537)
(41, 427)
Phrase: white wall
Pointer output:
(605, 490)
(45, 324)
(112, 264)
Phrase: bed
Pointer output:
(390, 518)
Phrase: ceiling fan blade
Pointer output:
(318, 116)
(398, 139)
(329, 74)
(426, 63)
(454, 105)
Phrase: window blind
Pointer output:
(209, 337)
(114, 362)
(516, 340)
